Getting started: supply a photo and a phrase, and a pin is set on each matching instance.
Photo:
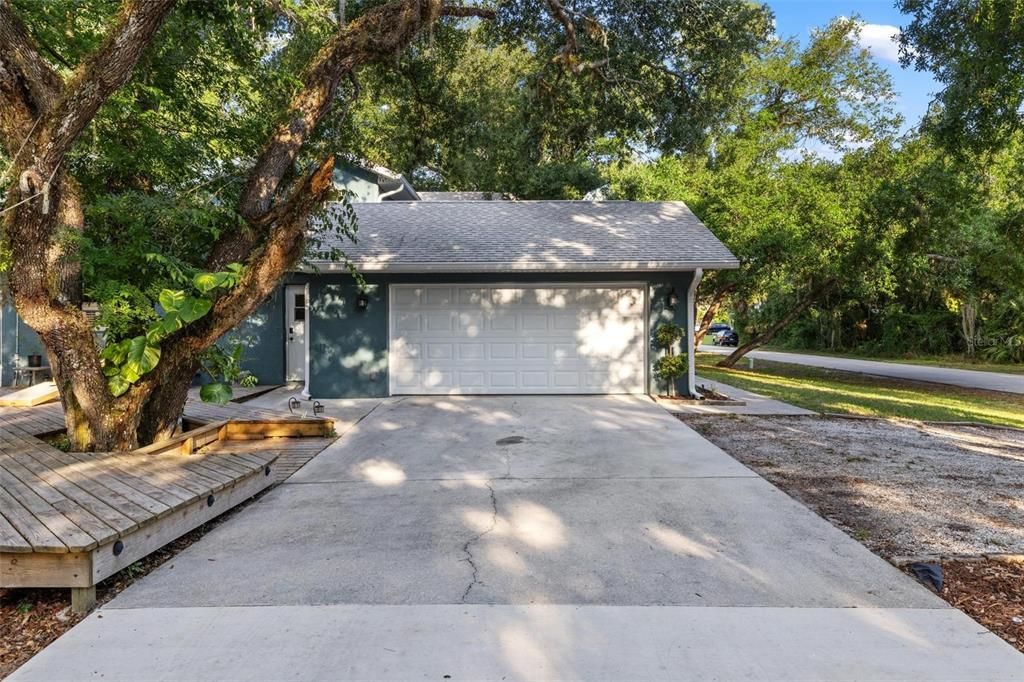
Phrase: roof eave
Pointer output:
(611, 266)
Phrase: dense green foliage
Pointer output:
(488, 109)
(975, 49)
(789, 153)
(500, 104)
(899, 247)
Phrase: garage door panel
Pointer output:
(408, 322)
(438, 297)
(438, 322)
(502, 380)
(469, 323)
(502, 351)
(534, 322)
(440, 351)
(473, 339)
(406, 296)
(502, 322)
(472, 351)
(534, 380)
(535, 351)
(468, 380)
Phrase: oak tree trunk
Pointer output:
(769, 334)
(717, 301)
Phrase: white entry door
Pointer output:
(295, 328)
(517, 339)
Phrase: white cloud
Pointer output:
(880, 40)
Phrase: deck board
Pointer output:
(31, 529)
(138, 494)
(47, 529)
(57, 502)
(10, 539)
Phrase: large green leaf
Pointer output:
(194, 307)
(219, 393)
(115, 353)
(171, 322)
(117, 385)
(208, 281)
(141, 358)
(171, 299)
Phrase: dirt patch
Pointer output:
(32, 618)
(991, 592)
(901, 488)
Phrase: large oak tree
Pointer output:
(194, 133)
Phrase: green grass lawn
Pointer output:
(952, 361)
(824, 390)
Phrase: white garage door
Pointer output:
(505, 339)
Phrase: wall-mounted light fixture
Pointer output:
(671, 299)
(362, 301)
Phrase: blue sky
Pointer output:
(882, 20)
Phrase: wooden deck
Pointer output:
(72, 519)
(292, 453)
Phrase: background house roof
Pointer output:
(483, 236)
(461, 196)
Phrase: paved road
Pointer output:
(991, 381)
(528, 538)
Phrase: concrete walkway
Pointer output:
(754, 403)
(526, 538)
(967, 378)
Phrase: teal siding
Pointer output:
(659, 312)
(16, 335)
(262, 338)
(361, 183)
(349, 348)
(348, 351)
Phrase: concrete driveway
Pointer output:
(526, 538)
(966, 378)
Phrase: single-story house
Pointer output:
(489, 297)
(477, 297)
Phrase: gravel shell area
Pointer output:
(904, 489)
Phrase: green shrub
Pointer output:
(669, 369)
(667, 335)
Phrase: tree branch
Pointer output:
(383, 31)
(282, 249)
(561, 16)
(21, 54)
(108, 68)
(380, 33)
(28, 86)
(468, 11)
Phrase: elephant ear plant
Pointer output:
(670, 367)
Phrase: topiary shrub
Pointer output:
(671, 366)
(669, 369)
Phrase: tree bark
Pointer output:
(770, 333)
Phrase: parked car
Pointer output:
(726, 337)
(717, 327)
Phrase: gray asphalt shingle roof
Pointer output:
(473, 236)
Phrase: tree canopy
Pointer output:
(163, 159)
(975, 49)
